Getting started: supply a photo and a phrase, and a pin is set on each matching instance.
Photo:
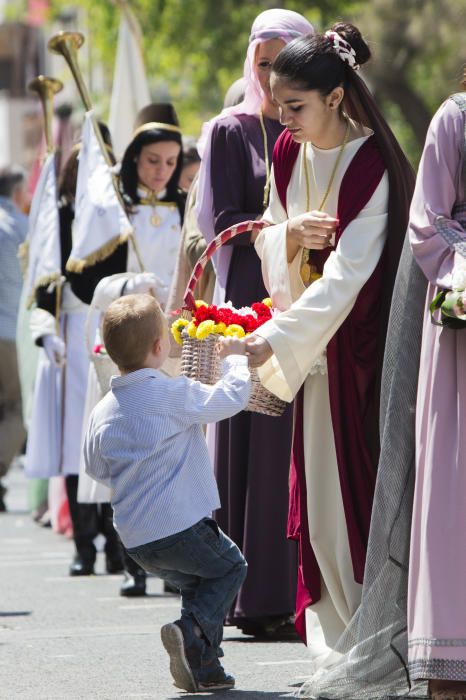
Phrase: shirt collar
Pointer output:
(139, 375)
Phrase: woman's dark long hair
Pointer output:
(129, 173)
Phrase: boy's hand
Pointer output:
(231, 346)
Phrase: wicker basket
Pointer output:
(105, 368)
(199, 358)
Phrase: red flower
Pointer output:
(228, 316)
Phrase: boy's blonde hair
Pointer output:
(131, 325)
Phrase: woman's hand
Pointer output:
(314, 230)
(258, 350)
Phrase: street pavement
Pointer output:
(64, 638)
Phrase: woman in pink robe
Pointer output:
(437, 578)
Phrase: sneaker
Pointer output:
(182, 655)
(213, 677)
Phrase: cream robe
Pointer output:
(159, 244)
(299, 338)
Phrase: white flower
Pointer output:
(458, 280)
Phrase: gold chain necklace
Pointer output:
(265, 200)
(308, 271)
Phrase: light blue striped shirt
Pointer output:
(145, 441)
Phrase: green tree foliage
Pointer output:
(194, 49)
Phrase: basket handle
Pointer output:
(214, 245)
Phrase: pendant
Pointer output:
(306, 273)
(155, 220)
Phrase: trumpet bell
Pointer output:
(75, 39)
(44, 84)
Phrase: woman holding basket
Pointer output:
(252, 451)
(338, 213)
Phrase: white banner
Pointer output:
(130, 91)
(100, 223)
(44, 256)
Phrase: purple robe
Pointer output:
(252, 451)
(437, 576)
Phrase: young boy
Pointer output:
(145, 441)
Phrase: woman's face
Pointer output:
(306, 113)
(156, 164)
(266, 53)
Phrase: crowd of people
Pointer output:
(276, 525)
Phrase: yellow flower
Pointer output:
(235, 330)
(267, 301)
(314, 277)
(200, 302)
(177, 329)
(204, 329)
(220, 328)
(191, 329)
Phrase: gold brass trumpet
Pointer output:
(46, 88)
(67, 44)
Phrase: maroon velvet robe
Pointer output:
(352, 371)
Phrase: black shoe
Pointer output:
(168, 588)
(81, 567)
(113, 565)
(133, 586)
(2, 498)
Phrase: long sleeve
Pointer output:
(229, 165)
(207, 404)
(434, 235)
(95, 466)
(84, 283)
(298, 336)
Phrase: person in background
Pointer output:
(55, 453)
(191, 163)
(13, 231)
(437, 570)
(252, 451)
(193, 243)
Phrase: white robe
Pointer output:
(54, 446)
(158, 247)
(299, 338)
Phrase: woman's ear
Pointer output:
(335, 98)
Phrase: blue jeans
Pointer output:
(205, 565)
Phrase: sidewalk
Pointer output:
(64, 638)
